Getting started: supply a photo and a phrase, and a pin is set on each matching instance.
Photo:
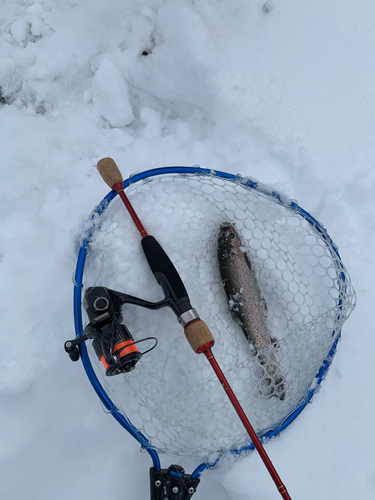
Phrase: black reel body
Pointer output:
(112, 341)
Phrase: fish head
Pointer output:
(229, 240)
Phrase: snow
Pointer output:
(110, 95)
(281, 93)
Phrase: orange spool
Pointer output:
(129, 353)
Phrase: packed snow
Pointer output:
(280, 91)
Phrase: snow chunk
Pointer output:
(141, 27)
(152, 119)
(111, 95)
(35, 10)
(20, 30)
(38, 27)
(181, 65)
(87, 95)
(147, 11)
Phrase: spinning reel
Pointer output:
(111, 340)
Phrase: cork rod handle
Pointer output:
(110, 172)
(199, 336)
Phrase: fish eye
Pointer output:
(231, 235)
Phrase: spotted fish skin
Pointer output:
(248, 307)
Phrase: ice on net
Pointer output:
(173, 397)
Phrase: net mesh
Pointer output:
(173, 397)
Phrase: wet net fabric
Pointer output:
(173, 397)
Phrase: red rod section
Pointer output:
(118, 187)
(208, 353)
(258, 445)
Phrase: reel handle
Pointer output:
(71, 347)
(73, 351)
(110, 172)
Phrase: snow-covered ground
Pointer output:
(283, 92)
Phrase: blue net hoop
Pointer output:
(78, 286)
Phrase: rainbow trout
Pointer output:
(248, 308)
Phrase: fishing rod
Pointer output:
(176, 297)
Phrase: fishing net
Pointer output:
(173, 397)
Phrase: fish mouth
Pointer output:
(229, 230)
(225, 226)
(230, 237)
